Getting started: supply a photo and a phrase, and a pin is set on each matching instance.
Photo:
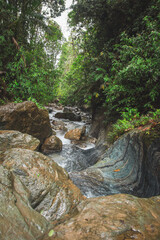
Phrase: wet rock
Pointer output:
(74, 110)
(15, 139)
(55, 105)
(73, 158)
(84, 142)
(25, 117)
(81, 144)
(92, 140)
(18, 220)
(53, 132)
(68, 115)
(50, 110)
(51, 191)
(67, 110)
(51, 144)
(75, 134)
(115, 217)
(130, 166)
(59, 125)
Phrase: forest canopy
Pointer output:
(111, 59)
(115, 55)
(30, 41)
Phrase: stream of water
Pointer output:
(74, 156)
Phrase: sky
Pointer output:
(62, 20)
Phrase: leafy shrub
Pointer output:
(133, 81)
(33, 79)
(130, 121)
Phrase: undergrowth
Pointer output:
(131, 119)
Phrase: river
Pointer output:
(75, 155)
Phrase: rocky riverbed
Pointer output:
(44, 197)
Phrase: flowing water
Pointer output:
(74, 156)
(98, 171)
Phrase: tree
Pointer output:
(23, 19)
(113, 67)
(28, 35)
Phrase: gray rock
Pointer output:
(72, 158)
(68, 115)
(15, 139)
(127, 167)
(68, 110)
(59, 125)
(51, 191)
(18, 220)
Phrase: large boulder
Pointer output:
(75, 134)
(15, 139)
(115, 217)
(51, 191)
(130, 166)
(18, 220)
(34, 189)
(51, 144)
(26, 117)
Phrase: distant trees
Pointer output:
(117, 57)
(29, 44)
(111, 59)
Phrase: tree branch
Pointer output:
(18, 48)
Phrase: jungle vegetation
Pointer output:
(111, 59)
(30, 42)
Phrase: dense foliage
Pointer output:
(115, 56)
(29, 43)
(112, 58)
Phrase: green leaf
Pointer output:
(51, 232)
(97, 77)
(41, 212)
(101, 69)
